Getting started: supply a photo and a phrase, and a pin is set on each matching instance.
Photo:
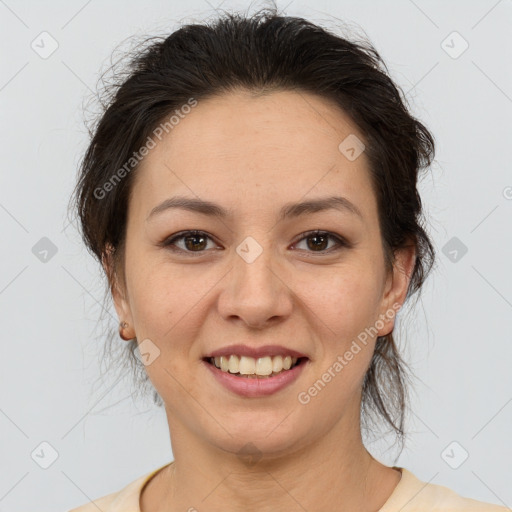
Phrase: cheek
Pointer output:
(158, 298)
(169, 305)
(346, 299)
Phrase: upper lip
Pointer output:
(255, 352)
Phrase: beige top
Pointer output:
(410, 495)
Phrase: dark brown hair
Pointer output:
(262, 53)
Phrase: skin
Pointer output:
(252, 155)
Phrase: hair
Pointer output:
(260, 54)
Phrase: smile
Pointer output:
(228, 371)
(250, 367)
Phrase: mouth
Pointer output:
(246, 367)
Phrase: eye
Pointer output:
(194, 241)
(320, 239)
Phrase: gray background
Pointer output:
(458, 339)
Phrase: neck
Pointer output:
(334, 473)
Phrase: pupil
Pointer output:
(317, 237)
(187, 240)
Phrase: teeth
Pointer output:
(263, 366)
(247, 366)
(223, 364)
(233, 364)
(277, 364)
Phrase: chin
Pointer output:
(253, 440)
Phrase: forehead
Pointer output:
(256, 150)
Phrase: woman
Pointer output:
(250, 191)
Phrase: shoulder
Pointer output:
(415, 495)
(126, 499)
(103, 503)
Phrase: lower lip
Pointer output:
(256, 387)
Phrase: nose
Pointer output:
(256, 291)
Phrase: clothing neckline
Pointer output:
(399, 497)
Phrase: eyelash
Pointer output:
(168, 242)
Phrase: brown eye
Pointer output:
(318, 241)
(197, 242)
(193, 241)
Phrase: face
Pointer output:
(255, 278)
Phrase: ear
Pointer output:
(397, 284)
(118, 291)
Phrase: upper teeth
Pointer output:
(250, 366)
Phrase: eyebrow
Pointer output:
(289, 210)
